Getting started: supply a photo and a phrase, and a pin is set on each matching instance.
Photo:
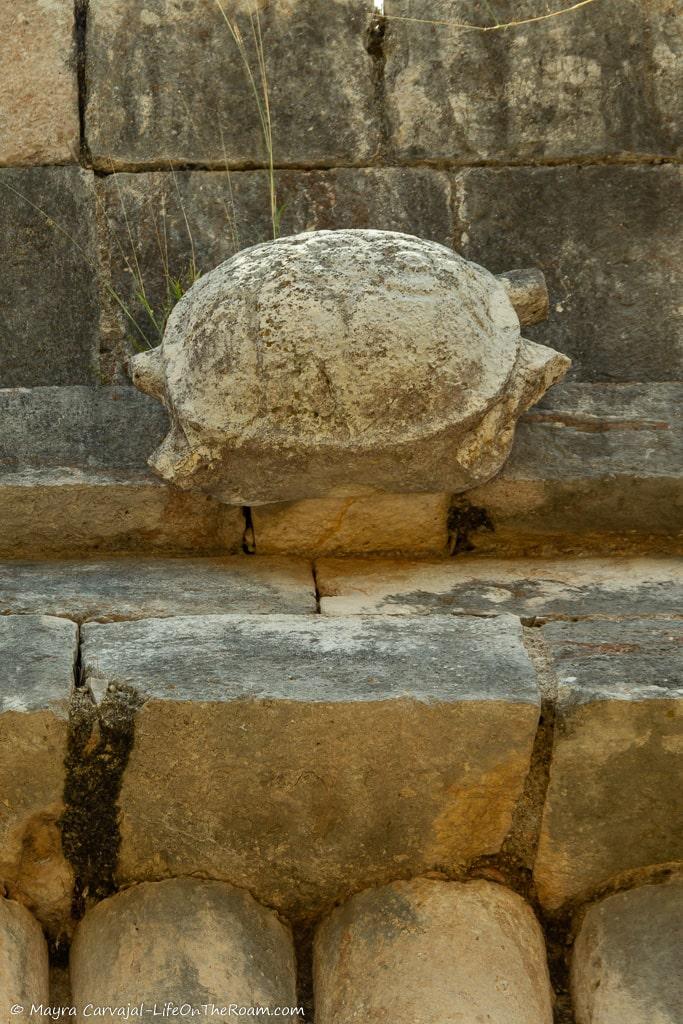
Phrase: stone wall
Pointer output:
(130, 144)
(468, 753)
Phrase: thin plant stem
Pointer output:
(497, 27)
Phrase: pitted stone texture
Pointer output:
(38, 87)
(626, 959)
(37, 657)
(151, 587)
(613, 800)
(530, 588)
(340, 753)
(412, 523)
(74, 480)
(49, 312)
(335, 364)
(599, 81)
(167, 83)
(609, 241)
(185, 941)
(24, 972)
(425, 950)
(169, 219)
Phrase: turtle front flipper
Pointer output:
(537, 369)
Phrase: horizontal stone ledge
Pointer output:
(73, 512)
(613, 798)
(594, 466)
(530, 588)
(340, 753)
(141, 588)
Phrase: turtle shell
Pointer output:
(324, 363)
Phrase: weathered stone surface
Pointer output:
(595, 82)
(38, 88)
(74, 480)
(150, 587)
(168, 220)
(608, 587)
(613, 799)
(609, 241)
(341, 363)
(341, 753)
(626, 960)
(427, 950)
(37, 657)
(414, 523)
(594, 467)
(185, 941)
(167, 83)
(23, 960)
(597, 469)
(49, 310)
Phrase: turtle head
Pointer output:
(147, 373)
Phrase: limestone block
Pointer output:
(342, 363)
(609, 241)
(38, 88)
(598, 81)
(183, 941)
(340, 752)
(37, 657)
(613, 799)
(166, 219)
(425, 950)
(167, 83)
(24, 972)
(596, 467)
(626, 959)
(530, 588)
(73, 480)
(48, 291)
(144, 588)
(414, 523)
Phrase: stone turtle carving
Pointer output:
(341, 363)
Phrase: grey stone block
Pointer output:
(340, 753)
(152, 587)
(38, 87)
(601, 81)
(166, 82)
(187, 941)
(37, 658)
(157, 221)
(588, 587)
(78, 427)
(612, 805)
(606, 477)
(74, 479)
(626, 959)
(609, 240)
(49, 310)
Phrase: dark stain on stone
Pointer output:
(99, 743)
(463, 520)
